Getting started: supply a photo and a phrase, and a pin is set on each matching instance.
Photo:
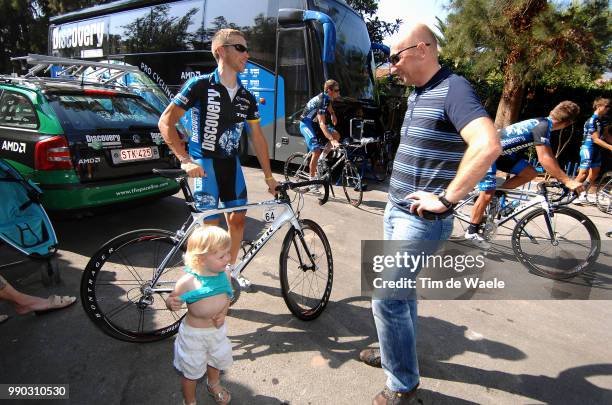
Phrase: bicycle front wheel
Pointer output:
(604, 194)
(306, 270)
(117, 290)
(297, 167)
(575, 250)
(352, 184)
(380, 164)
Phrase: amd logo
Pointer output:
(92, 160)
(17, 147)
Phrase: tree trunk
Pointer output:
(510, 102)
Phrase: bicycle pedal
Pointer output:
(245, 283)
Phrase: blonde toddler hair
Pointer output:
(206, 239)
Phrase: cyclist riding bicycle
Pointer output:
(319, 134)
(593, 142)
(516, 137)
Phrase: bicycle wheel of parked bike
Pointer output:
(352, 184)
(297, 167)
(380, 164)
(576, 249)
(604, 193)
(115, 286)
(306, 286)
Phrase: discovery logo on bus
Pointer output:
(86, 34)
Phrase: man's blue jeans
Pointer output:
(396, 320)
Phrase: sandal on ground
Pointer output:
(4, 318)
(57, 302)
(222, 397)
(371, 357)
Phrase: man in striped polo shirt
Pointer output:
(447, 144)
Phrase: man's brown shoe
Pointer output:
(388, 397)
(371, 357)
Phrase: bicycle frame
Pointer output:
(197, 219)
(533, 200)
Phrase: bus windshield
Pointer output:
(351, 67)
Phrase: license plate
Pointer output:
(135, 154)
(269, 214)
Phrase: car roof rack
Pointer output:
(88, 72)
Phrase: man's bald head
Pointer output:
(420, 33)
(414, 59)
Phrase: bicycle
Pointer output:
(545, 239)
(382, 159)
(297, 169)
(603, 197)
(126, 282)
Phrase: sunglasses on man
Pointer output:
(239, 47)
(395, 58)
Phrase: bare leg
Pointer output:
(593, 173)
(23, 303)
(189, 390)
(313, 162)
(480, 205)
(582, 175)
(525, 176)
(235, 227)
(214, 386)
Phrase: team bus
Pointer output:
(295, 45)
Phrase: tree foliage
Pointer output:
(377, 28)
(523, 42)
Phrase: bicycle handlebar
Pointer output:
(282, 186)
(544, 186)
(288, 185)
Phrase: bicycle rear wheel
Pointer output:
(114, 286)
(380, 164)
(577, 248)
(297, 167)
(306, 287)
(604, 193)
(352, 184)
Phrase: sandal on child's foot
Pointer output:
(191, 403)
(222, 396)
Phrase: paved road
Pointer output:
(484, 352)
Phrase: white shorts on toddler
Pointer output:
(195, 348)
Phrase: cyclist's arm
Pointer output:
(261, 150)
(601, 142)
(167, 127)
(551, 165)
(323, 125)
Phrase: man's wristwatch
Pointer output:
(449, 205)
(186, 159)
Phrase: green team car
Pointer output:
(85, 145)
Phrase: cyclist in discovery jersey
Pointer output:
(535, 131)
(593, 143)
(314, 126)
(219, 106)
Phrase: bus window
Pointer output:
(256, 19)
(292, 67)
(165, 27)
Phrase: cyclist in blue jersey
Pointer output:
(593, 142)
(219, 106)
(514, 138)
(314, 125)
